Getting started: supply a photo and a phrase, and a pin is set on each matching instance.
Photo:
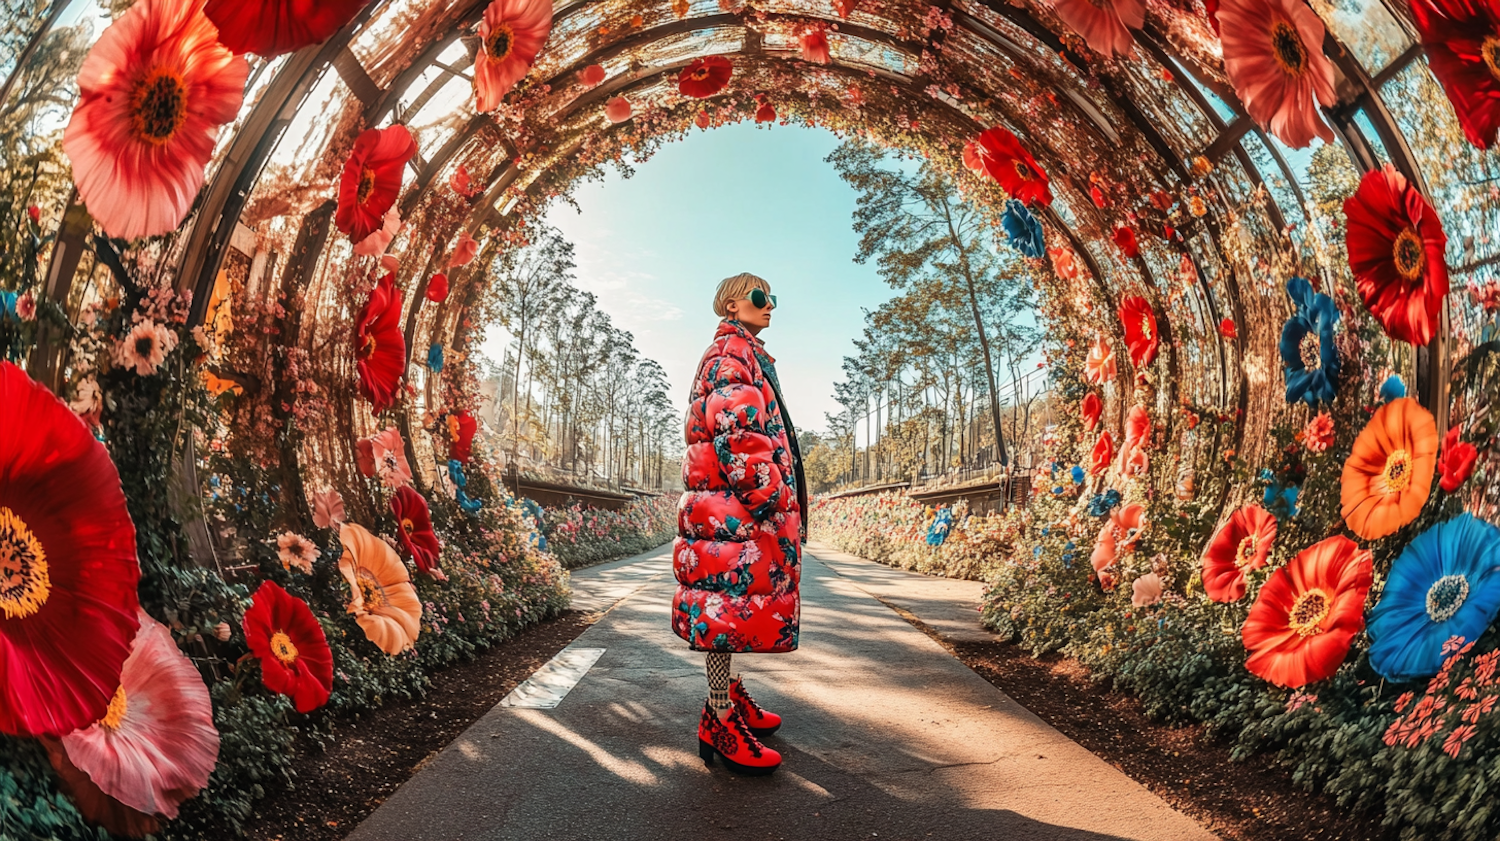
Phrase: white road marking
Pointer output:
(552, 682)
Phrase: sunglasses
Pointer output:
(758, 297)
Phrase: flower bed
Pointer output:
(581, 536)
(892, 528)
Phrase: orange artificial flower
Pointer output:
(1242, 544)
(1308, 612)
(382, 598)
(1099, 367)
(1389, 473)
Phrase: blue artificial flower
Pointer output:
(1046, 530)
(1392, 388)
(435, 358)
(938, 531)
(1057, 490)
(1078, 475)
(1279, 499)
(470, 506)
(8, 306)
(1307, 351)
(1036, 551)
(1446, 583)
(1102, 503)
(1023, 230)
(456, 473)
(1067, 557)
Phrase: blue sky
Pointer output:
(733, 199)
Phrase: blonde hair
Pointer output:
(735, 288)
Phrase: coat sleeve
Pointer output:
(735, 410)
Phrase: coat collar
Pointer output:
(733, 326)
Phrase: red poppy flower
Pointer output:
(592, 75)
(1273, 54)
(286, 638)
(1008, 162)
(437, 288)
(379, 345)
(1227, 330)
(1242, 544)
(814, 42)
(1396, 245)
(1462, 38)
(1457, 461)
(153, 92)
(461, 429)
(617, 109)
(273, 27)
(1308, 612)
(1091, 409)
(67, 546)
(1125, 240)
(705, 76)
(1139, 322)
(765, 113)
(372, 179)
(1104, 453)
(510, 35)
(415, 530)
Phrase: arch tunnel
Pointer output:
(1176, 214)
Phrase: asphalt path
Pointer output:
(886, 735)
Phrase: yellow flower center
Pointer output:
(1244, 556)
(1309, 350)
(158, 106)
(369, 349)
(1024, 171)
(283, 649)
(370, 590)
(1287, 46)
(1408, 254)
(1146, 327)
(1308, 611)
(116, 712)
(24, 584)
(1397, 473)
(366, 185)
(407, 525)
(1490, 50)
(700, 73)
(499, 44)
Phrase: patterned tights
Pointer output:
(719, 675)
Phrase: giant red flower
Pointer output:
(372, 179)
(1457, 461)
(1273, 54)
(510, 35)
(1139, 321)
(153, 749)
(1396, 245)
(1462, 38)
(1308, 612)
(153, 92)
(379, 345)
(67, 550)
(1090, 410)
(273, 27)
(285, 636)
(1103, 24)
(705, 76)
(415, 530)
(1241, 544)
(461, 429)
(1104, 453)
(1008, 162)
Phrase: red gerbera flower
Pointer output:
(379, 345)
(273, 27)
(1396, 245)
(1139, 322)
(705, 76)
(510, 35)
(1462, 38)
(814, 41)
(461, 429)
(415, 530)
(1125, 240)
(437, 288)
(1091, 409)
(286, 638)
(1242, 544)
(372, 179)
(1104, 453)
(67, 549)
(1008, 162)
(1273, 54)
(1308, 612)
(765, 113)
(153, 92)
(1457, 461)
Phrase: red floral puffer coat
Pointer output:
(738, 553)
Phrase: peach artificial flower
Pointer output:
(1104, 24)
(511, 34)
(1273, 55)
(144, 347)
(380, 239)
(1146, 590)
(383, 455)
(382, 598)
(294, 550)
(1317, 436)
(617, 109)
(463, 251)
(1099, 367)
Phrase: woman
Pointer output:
(737, 556)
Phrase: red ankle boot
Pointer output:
(732, 740)
(760, 721)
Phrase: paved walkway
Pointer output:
(886, 736)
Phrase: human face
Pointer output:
(747, 313)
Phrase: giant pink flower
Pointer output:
(1103, 23)
(1273, 53)
(510, 35)
(153, 92)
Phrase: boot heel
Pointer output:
(706, 752)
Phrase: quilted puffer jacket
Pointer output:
(738, 553)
